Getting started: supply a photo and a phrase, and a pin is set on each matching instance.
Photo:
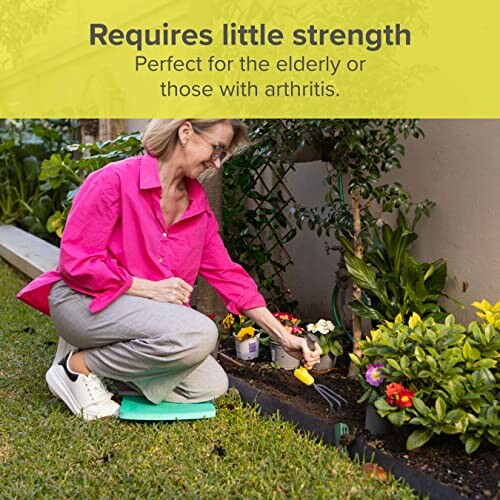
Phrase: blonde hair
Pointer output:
(160, 136)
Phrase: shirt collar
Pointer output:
(149, 173)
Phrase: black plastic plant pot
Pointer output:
(374, 423)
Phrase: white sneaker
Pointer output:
(84, 395)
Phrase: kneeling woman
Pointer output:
(138, 234)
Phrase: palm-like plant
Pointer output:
(395, 281)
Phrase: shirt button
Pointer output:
(160, 260)
(164, 235)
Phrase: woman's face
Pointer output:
(202, 146)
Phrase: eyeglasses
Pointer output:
(219, 150)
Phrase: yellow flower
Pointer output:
(490, 314)
(484, 305)
(414, 320)
(228, 321)
(242, 318)
(376, 334)
(397, 319)
(246, 333)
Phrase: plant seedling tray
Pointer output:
(139, 408)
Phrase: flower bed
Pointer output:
(443, 458)
(437, 377)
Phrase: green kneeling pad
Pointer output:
(139, 408)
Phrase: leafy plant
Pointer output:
(450, 370)
(395, 281)
(63, 173)
(256, 202)
(24, 144)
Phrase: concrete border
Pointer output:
(31, 255)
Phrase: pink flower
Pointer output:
(286, 319)
(374, 374)
(283, 316)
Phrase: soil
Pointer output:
(443, 458)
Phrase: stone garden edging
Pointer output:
(27, 253)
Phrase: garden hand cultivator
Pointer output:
(305, 377)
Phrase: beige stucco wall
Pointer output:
(457, 165)
(312, 277)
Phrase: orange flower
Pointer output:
(392, 389)
(405, 398)
(398, 395)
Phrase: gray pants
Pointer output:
(163, 349)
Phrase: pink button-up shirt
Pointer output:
(116, 231)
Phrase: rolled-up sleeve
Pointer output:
(236, 288)
(85, 263)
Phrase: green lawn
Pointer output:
(47, 452)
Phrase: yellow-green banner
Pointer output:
(220, 58)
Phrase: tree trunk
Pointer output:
(109, 129)
(204, 297)
(100, 129)
(356, 292)
(90, 130)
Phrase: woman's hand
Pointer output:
(173, 290)
(295, 346)
(298, 348)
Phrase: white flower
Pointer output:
(323, 326)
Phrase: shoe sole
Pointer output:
(59, 390)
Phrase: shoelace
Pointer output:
(96, 389)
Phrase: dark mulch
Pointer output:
(443, 458)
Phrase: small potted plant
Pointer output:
(373, 384)
(377, 379)
(246, 336)
(278, 354)
(329, 341)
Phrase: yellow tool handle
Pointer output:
(302, 373)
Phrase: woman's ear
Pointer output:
(184, 133)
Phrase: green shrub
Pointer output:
(439, 377)
(62, 174)
(24, 144)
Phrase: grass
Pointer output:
(48, 453)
